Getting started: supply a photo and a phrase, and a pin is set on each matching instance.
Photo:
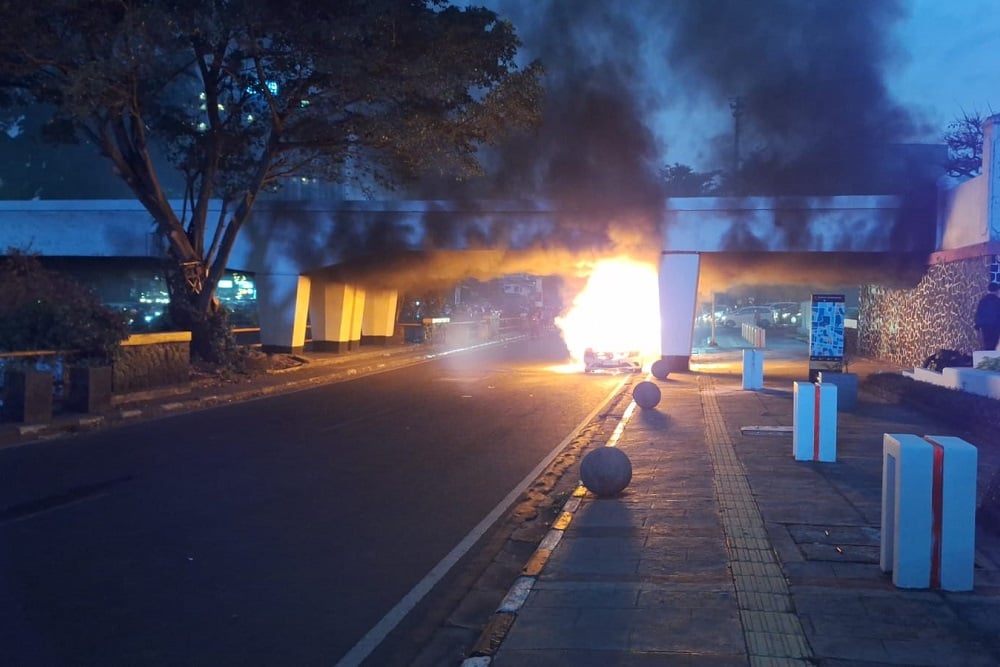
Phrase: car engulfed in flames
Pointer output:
(613, 323)
(623, 362)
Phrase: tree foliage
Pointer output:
(47, 310)
(242, 94)
(965, 145)
(680, 180)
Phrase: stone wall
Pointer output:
(905, 326)
(148, 361)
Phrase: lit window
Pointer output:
(272, 87)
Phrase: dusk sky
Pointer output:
(930, 60)
(952, 64)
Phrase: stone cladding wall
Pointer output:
(141, 367)
(905, 326)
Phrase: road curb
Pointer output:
(503, 618)
(150, 404)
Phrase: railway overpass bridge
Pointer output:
(295, 248)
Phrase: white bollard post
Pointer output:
(814, 430)
(928, 511)
(753, 369)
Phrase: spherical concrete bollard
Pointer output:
(606, 471)
(660, 370)
(646, 394)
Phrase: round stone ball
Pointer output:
(646, 394)
(606, 471)
(660, 370)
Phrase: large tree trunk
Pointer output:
(207, 320)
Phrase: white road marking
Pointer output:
(381, 630)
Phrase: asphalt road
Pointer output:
(277, 531)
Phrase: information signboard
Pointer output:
(826, 335)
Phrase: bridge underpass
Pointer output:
(317, 260)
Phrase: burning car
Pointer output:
(595, 360)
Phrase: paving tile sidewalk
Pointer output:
(723, 550)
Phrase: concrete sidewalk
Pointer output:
(724, 550)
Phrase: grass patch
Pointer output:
(971, 412)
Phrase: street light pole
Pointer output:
(736, 106)
(711, 341)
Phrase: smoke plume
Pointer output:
(628, 83)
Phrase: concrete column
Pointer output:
(335, 310)
(378, 325)
(357, 317)
(282, 301)
(678, 300)
(990, 173)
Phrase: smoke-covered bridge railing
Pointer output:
(444, 331)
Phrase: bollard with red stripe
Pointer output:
(814, 413)
(928, 511)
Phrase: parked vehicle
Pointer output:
(787, 313)
(594, 360)
(705, 318)
(761, 316)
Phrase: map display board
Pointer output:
(826, 335)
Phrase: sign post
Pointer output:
(826, 335)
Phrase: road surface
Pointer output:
(276, 531)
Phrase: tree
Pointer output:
(242, 94)
(965, 145)
(42, 309)
(680, 180)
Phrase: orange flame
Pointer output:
(618, 310)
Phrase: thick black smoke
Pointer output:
(596, 157)
(809, 80)
(808, 76)
(627, 81)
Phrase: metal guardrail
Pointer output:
(416, 332)
(49, 361)
(441, 330)
(54, 361)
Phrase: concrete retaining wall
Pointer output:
(905, 326)
(153, 360)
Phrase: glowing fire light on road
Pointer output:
(617, 311)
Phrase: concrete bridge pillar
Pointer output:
(379, 322)
(282, 301)
(678, 300)
(336, 311)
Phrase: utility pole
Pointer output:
(737, 107)
(711, 341)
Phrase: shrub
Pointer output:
(989, 364)
(970, 412)
(46, 310)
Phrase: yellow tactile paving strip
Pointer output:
(773, 634)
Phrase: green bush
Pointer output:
(46, 310)
(989, 364)
(970, 412)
